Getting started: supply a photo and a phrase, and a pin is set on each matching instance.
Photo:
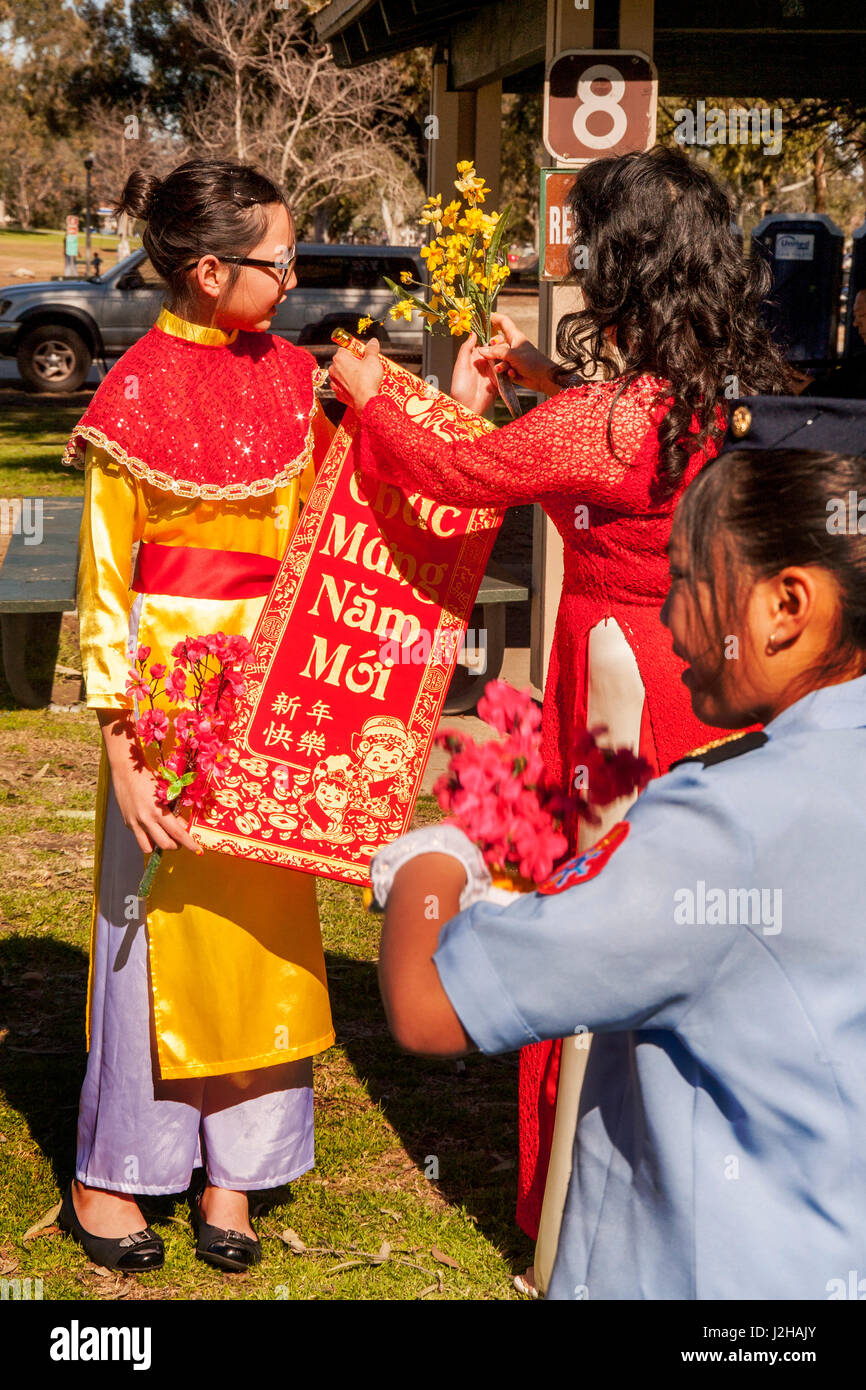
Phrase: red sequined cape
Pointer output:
(615, 537)
(194, 419)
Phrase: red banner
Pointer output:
(352, 656)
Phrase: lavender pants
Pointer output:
(140, 1134)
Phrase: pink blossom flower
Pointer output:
(538, 858)
(175, 684)
(507, 709)
(215, 644)
(196, 794)
(207, 699)
(235, 681)
(196, 649)
(143, 653)
(152, 727)
(451, 740)
(213, 758)
(176, 761)
(136, 683)
(442, 791)
(184, 721)
(499, 792)
(239, 649)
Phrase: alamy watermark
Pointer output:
(729, 907)
(419, 647)
(740, 125)
(22, 516)
(852, 1288)
(16, 1289)
(77, 1343)
(846, 516)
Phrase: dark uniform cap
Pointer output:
(797, 422)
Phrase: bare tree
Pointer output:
(37, 170)
(278, 98)
(125, 140)
(231, 31)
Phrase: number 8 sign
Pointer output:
(599, 103)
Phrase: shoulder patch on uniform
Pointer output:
(721, 749)
(587, 865)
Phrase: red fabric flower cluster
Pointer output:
(207, 676)
(499, 794)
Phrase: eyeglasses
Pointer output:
(284, 264)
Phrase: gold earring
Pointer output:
(771, 643)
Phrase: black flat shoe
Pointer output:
(229, 1250)
(133, 1254)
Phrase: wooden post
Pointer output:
(637, 25)
(488, 137)
(567, 27)
(463, 125)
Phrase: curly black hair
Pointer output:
(655, 257)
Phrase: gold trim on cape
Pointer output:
(74, 457)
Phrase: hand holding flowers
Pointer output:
(467, 261)
(468, 264)
(498, 792)
(204, 683)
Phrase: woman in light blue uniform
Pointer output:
(715, 943)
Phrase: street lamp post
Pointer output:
(88, 165)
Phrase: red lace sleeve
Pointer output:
(560, 446)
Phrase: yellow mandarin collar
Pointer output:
(193, 332)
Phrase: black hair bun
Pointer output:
(138, 196)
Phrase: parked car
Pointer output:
(55, 329)
(523, 264)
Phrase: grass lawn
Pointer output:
(384, 1120)
(42, 252)
(415, 1181)
(36, 427)
(32, 439)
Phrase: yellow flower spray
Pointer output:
(467, 262)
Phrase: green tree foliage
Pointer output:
(818, 166)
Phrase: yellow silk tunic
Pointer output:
(236, 960)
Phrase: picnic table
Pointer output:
(467, 686)
(37, 586)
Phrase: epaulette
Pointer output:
(721, 749)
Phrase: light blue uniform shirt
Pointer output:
(721, 1143)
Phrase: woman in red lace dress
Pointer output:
(673, 328)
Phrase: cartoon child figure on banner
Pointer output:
(383, 748)
(326, 805)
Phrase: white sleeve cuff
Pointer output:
(433, 839)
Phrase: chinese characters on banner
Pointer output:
(352, 656)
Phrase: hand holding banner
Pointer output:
(352, 656)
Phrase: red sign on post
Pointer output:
(599, 103)
(72, 226)
(556, 227)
